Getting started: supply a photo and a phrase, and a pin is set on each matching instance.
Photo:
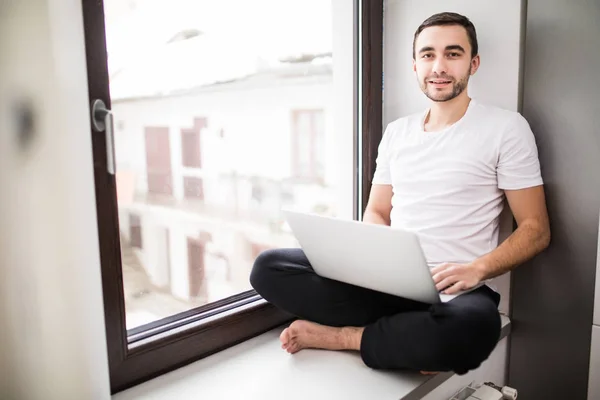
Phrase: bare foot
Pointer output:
(309, 335)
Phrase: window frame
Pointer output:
(151, 350)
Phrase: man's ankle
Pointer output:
(351, 337)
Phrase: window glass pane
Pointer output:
(225, 113)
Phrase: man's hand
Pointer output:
(456, 277)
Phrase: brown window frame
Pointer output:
(151, 350)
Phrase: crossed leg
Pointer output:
(390, 332)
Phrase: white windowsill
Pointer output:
(259, 369)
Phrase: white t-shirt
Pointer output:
(448, 185)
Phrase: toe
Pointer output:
(293, 348)
(284, 338)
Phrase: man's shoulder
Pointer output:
(500, 117)
(405, 123)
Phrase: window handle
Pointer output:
(102, 121)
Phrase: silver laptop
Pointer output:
(372, 256)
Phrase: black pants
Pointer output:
(399, 333)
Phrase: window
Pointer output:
(193, 188)
(204, 194)
(159, 176)
(190, 144)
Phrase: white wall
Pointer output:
(52, 340)
(155, 253)
(496, 82)
(257, 122)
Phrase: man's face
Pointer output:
(443, 61)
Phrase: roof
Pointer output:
(156, 48)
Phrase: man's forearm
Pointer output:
(524, 243)
(372, 217)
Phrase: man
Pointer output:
(443, 174)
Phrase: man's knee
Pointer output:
(264, 270)
(482, 332)
(474, 335)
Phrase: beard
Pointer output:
(457, 88)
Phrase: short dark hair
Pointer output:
(450, 18)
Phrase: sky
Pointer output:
(267, 28)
